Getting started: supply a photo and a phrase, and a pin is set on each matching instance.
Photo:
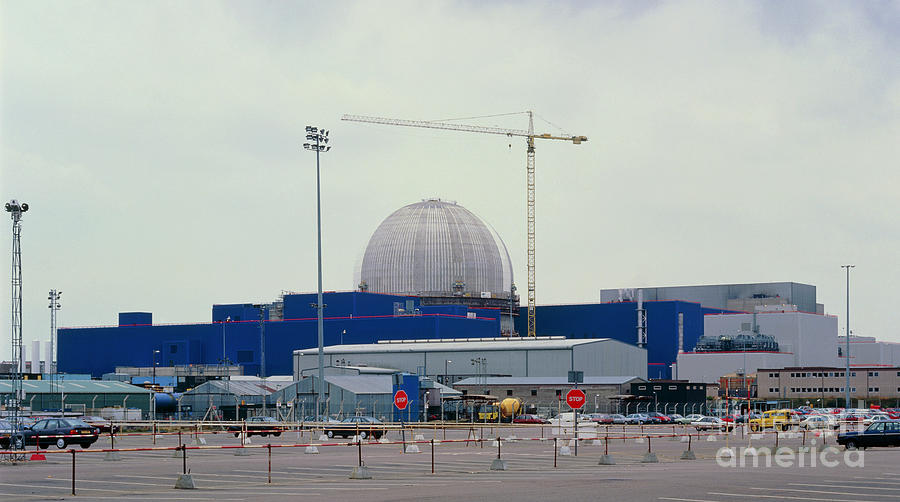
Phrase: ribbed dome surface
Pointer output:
(429, 247)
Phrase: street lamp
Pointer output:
(155, 351)
(847, 351)
(153, 390)
(446, 362)
(227, 320)
(320, 137)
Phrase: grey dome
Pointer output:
(435, 248)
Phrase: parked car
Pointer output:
(262, 426)
(876, 417)
(530, 419)
(674, 417)
(819, 422)
(885, 433)
(101, 423)
(688, 419)
(775, 419)
(617, 418)
(61, 432)
(6, 433)
(712, 423)
(638, 419)
(348, 427)
(659, 418)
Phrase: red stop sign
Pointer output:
(575, 399)
(401, 400)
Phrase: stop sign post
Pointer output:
(575, 399)
(401, 400)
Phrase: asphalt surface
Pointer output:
(462, 471)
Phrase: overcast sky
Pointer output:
(159, 145)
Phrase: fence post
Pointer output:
(73, 471)
(432, 453)
(554, 452)
(269, 447)
(183, 458)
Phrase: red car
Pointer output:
(530, 419)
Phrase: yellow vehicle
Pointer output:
(781, 420)
(488, 412)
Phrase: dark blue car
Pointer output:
(884, 433)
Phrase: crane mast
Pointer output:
(529, 136)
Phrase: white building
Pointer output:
(481, 358)
(867, 351)
(804, 339)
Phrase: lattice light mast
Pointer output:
(529, 136)
(15, 210)
(53, 297)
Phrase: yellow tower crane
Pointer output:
(529, 136)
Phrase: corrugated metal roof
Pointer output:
(239, 387)
(438, 346)
(75, 387)
(363, 384)
(597, 380)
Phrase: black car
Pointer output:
(367, 426)
(262, 426)
(883, 433)
(61, 432)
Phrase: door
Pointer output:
(892, 433)
(873, 436)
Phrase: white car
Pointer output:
(689, 419)
(876, 417)
(819, 422)
(711, 423)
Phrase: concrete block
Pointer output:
(572, 443)
(241, 452)
(311, 450)
(639, 440)
(185, 482)
(499, 465)
(565, 451)
(688, 455)
(711, 438)
(606, 460)
(419, 437)
(597, 442)
(199, 441)
(176, 453)
(360, 472)
(495, 443)
(511, 437)
(112, 456)
(412, 448)
(684, 439)
(323, 437)
(246, 440)
(649, 458)
(384, 440)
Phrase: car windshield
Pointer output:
(876, 427)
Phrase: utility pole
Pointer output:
(847, 346)
(54, 307)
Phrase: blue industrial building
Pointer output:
(351, 317)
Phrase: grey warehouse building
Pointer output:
(451, 360)
(547, 394)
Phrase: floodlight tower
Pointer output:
(15, 210)
(320, 137)
(54, 307)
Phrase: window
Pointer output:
(642, 387)
(853, 373)
(465, 391)
(673, 387)
(873, 373)
(657, 387)
(776, 390)
(533, 392)
(508, 392)
(898, 373)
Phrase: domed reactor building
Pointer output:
(442, 253)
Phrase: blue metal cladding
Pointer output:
(99, 350)
(619, 321)
(128, 318)
(409, 384)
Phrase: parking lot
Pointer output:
(461, 469)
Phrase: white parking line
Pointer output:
(834, 485)
(687, 500)
(78, 488)
(819, 491)
(785, 497)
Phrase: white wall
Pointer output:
(811, 338)
(866, 350)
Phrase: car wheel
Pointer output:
(264, 434)
(330, 434)
(276, 434)
(363, 434)
(236, 434)
(85, 445)
(61, 443)
(851, 445)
